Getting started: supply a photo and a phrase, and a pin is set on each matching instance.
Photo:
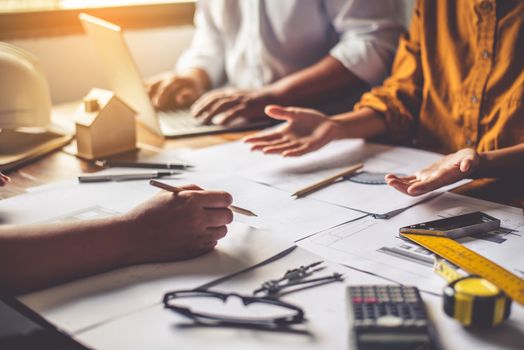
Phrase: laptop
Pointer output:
(126, 82)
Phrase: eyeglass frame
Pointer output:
(200, 318)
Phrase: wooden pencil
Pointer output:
(328, 181)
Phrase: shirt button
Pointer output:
(486, 6)
(485, 54)
(474, 99)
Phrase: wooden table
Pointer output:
(61, 165)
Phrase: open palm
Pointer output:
(447, 170)
(306, 130)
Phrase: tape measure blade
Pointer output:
(473, 263)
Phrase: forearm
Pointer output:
(36, 256)
(501, 162)
(364, 123)
(320, 82)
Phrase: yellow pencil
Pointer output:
(174, 189)
(328, 181)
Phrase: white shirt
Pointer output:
(250, 43)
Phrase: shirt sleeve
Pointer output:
(399, 98)
(206, 50)
(368, 35)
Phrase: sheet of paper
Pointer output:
(87, 302)
(108, 295)
(57, 200)
(374, 245)
(325, 308)
(277, 212)
(292, 174)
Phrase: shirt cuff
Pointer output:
(369, 63)
(400, 126)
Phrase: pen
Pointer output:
(125, 177)
(328, 181)
(174, 189)
(146, 165)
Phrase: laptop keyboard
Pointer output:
(181, 122)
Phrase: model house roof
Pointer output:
(96, 103)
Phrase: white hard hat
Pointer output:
(24, 94)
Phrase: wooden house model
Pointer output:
(105, 125)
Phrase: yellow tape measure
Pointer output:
(472, 300)
(472, 263)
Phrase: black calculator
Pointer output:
(388, 317)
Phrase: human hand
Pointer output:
(449, 169)
(4, 179)
(176, 226)
(233, 103)
(173, 91)
(306, 130)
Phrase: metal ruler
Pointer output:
(472, 263)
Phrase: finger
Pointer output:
(218, 217)
(217, 233)
(398, 185)
(466, 164)
(213, 199)
(288, 113)
(280, 113)
(280, 148)
(234, 113)
(185, 97)
(263, 145)
(152, 88)
(167, 93)
(432, 183)
(191, 187)
(403, 178)
(223, 105)
(307, 147)
(4, 178)
(390, 176)
(263, 137)
(300, 150)
(205, 102)
(207, 245)
(204, 114)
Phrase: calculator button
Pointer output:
(409, 322)
(420, 323)
(368, 322)
(389, 321)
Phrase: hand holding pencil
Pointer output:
(175, 189)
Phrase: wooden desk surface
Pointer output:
(61, 165)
